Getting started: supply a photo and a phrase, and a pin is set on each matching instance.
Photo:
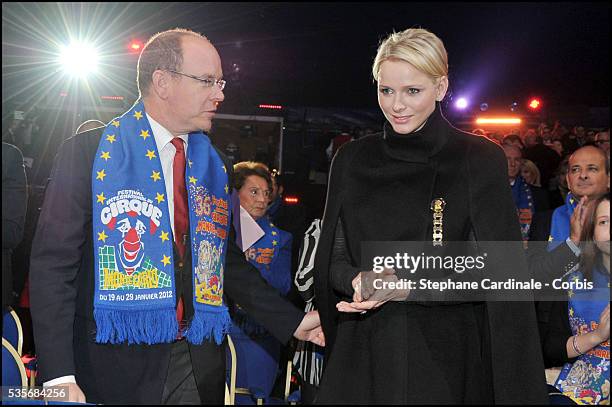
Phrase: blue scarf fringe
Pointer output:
(213, 322)
(136, 326)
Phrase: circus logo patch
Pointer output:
(131, 215)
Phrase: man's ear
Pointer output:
(160, 84)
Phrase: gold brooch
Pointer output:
(437, 206)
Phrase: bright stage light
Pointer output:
(79, 59)
(461, 103)
(498, 120)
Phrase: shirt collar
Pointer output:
(162, 135)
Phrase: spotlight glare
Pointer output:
(534, 103)
(461, 103)
(79, 59)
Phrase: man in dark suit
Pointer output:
(179, 79)
(528, 199)
(14, 204)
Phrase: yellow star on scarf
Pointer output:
(165, 260)
(101, 175)
(272, 225)
(190, 163)
(102, 236)
(138, 115)
(192, 180)
(274, 233)
(274, 242)
(571, 312)
(111, 138)
(150, 154)
(105, 155)
(144, 134)
(101, 198)
(224, 169)
(115, 123)
(570, 293)
(226, 189)
(164, 236)
(550, 238)
(160, 197)
(155, 176)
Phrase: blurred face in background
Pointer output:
(602, 140)
(601, 234)
(407, 96)
(530, 139)
(254, 196)
(515, 159)
(528, 175)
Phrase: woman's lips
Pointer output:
(401, 119)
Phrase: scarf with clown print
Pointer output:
(135, 294)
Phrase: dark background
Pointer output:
(320, 54)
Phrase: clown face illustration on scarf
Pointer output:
(131, 248)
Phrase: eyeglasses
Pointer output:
(207, 82)
(601, 141)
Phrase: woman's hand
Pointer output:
(367, 297)
(602, 331)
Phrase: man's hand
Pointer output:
(71, 391)
(310, 329)
(577, 220)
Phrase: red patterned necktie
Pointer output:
(181, 220)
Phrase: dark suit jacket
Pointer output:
(540, 198)
(14, 204)
(62, 288)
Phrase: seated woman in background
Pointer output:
(531, 173)
(257, 350)
(586, 379)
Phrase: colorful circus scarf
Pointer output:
(523, 200)
(135, 291)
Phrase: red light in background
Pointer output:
(292, 200)
(535, 104)
(135, 46)
(277, 107)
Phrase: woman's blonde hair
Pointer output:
(529, 165)
(417, 46)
